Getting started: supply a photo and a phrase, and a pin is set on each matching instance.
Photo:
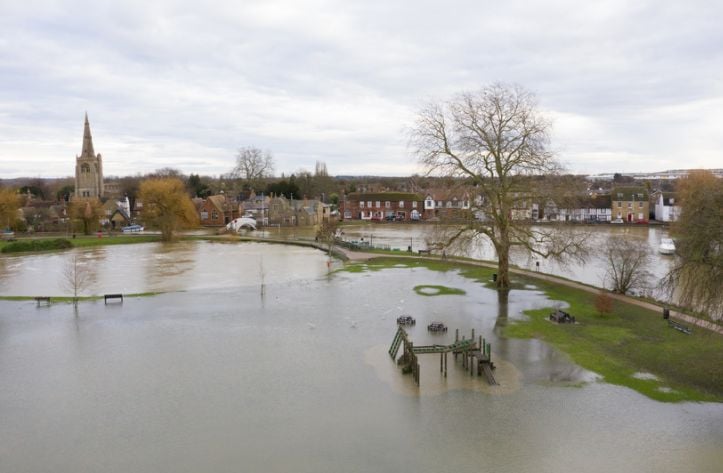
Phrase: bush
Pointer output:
(37, 245)
(603, 303)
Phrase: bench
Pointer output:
(42, 299)
(113, 296)
(424, 252)
(679, 327)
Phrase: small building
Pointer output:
(667, 208)
(630, 204)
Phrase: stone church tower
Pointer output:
(88, 168)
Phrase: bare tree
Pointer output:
(253, 165)
(495, 141)
(627, 264)
(76, 277)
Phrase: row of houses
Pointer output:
(219, 210)
(623, 204)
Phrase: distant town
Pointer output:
(310, 198)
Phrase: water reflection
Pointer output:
(158, 267)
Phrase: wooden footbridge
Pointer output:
(469, 349)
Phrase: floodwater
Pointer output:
(227, 374)
(592, 271)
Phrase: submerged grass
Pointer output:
(435, 290)
(630, 340)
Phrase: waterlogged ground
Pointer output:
(226, 373)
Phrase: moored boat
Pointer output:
(667, 246)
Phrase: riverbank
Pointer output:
(632, 346)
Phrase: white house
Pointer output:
(666, 208)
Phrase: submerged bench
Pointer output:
(680, 327)
(113, 296)
(42, 299)
(421, 252)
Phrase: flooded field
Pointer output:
(257, 359)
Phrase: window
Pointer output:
(630, 205)
(379, 204)
(387, 205)
(85, 168)
(620, 195)
(204, 215)
(361, 204)
(640, 204)
(369, 204)
(414, 204)
(401, 204)
(640, 196)
(214, 215)
(620, 204)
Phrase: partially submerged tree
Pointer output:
(327, 234)
(76, 277)
(167, 206)
(627, 264)
(495, 140)
(696, 275)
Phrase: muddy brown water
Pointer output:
(218, 375)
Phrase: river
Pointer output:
(258, 360)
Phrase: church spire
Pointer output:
(88, 151)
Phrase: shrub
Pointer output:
(37, 245)
(603, 303)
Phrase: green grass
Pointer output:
(630, 340)
(434, 290)
(87, 241)
(32, 245)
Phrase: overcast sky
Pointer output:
(629, 85)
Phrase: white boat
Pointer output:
(667, 246)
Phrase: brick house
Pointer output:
(216, 210)
(381, 206)
(630, 204)
(447, 205)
